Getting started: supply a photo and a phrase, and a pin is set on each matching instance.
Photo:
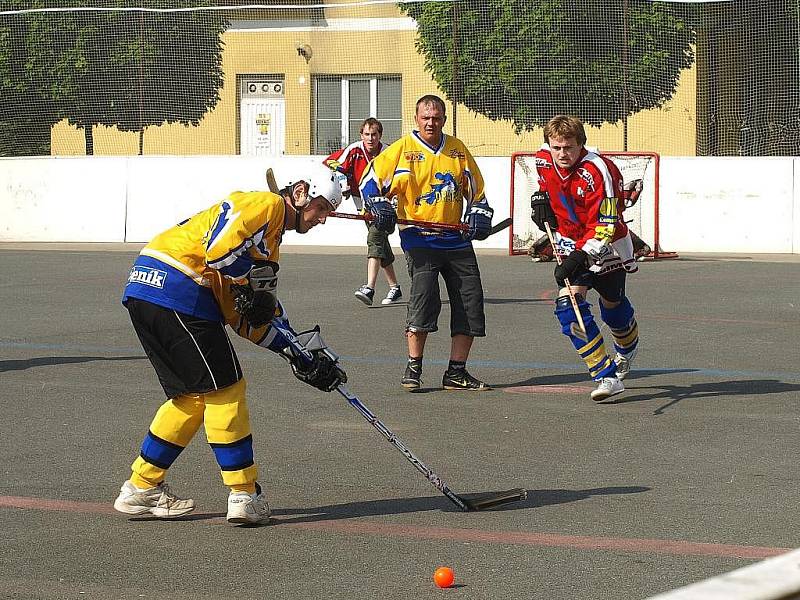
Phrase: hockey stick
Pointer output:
(465, 504)
(271, 183)
(300, 344)
(428, 224)
(572, 298)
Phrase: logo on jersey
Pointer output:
(587, 177)
(608, 211)
(147, 276)
(440, 192)
(414, 156)
(542, 163)
(456, 154)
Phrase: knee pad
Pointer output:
(620, 316)
(569, 321)
(566, 313)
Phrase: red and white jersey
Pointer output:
(588, 202)
(352, 161)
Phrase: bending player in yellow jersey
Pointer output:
(218, 267)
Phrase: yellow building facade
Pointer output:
(292, 56)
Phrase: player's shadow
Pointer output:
(583, 378)
(516, 301)
(49, 361)
(395, 506)
(716, 389)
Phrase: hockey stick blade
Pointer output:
(504, 224)
(496, 499)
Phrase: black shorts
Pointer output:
(190, 355)
(610, 286)
(459, 269)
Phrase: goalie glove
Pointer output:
(542, 212)
(479, 222)
(257, 300)
(383, 215)
(312, 362)
(631, 192)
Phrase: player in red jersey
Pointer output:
(351, 162)
(581, 198)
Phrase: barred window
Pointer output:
(341, 103)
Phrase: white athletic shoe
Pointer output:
(393, 296)
(251, 509)
(624, 363)
(609, 386)
(159, 501)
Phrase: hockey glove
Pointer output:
(343, 182)
(383, 215)
(322, 373)
(598, 251)
(542, 212)
(257, 300)
(479, 222)
(572, 266)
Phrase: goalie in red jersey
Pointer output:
(581, 199)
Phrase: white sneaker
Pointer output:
(393, 296)
(609, 386)
(159, 501)
(624, 363)
(248, 508)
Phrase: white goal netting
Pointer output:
(641, 215)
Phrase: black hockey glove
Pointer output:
(383, 215)
(542, 212)
(570, 267)
(322, 373)
(479, 221)
(257, 300)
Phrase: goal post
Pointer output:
(642, 216)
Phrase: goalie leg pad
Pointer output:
(622, 322)
(592, 350)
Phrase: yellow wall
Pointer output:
(669, 130)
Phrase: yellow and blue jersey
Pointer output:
(190, 266)
(430, 184)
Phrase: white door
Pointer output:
(263, 119)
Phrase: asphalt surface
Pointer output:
(691, 473)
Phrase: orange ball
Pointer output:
(443, 577)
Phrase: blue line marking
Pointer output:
(112, 351)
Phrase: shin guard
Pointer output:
(172, 429)
(622, 322)
(592, 350)
(227, 423)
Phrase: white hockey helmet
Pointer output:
(325, 183)
(321, 181)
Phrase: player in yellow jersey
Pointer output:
(433, 177)
(218, 267)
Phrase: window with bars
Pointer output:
(341, 103)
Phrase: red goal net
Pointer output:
(641, 214)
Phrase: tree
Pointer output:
(525, 61)
(120, 68)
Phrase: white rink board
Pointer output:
(775, 578)
(728, 204)
(708, 204)
(62, 199)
